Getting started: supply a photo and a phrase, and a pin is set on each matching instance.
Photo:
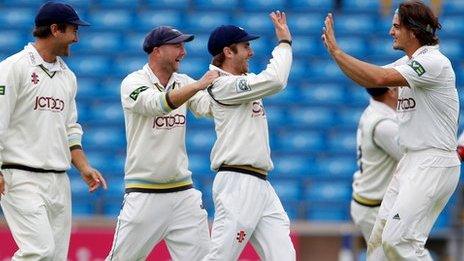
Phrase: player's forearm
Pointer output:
(177, 97)
(362, 73)
(79, 160)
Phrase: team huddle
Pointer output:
(408, 165)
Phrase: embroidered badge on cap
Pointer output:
(242, 86)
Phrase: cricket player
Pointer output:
(378, 155)
(39, 137)
(427, 110)
(160, 201)
(246, 205)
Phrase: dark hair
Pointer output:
(419, 18)
(45, 31)
(376, 92)
(219, 59)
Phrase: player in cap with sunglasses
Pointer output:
(40, 136)
(427, 110)
(160, 201)
(246, 206)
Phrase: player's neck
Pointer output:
(412, 48)
(162, 74)
(228, 67)
(43, 47)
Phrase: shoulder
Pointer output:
(138, 76)
(16, 60)
(183, 78)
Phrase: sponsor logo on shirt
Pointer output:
(257, 110)
(405, 104)
(417, 67)
(34, 78)
(241, 236)
(48, 104)
(2, 89)
(169, 121)
(135, 94)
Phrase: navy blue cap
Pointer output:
(164, 35)
(55, 12)
(374, 92)
(226, 35)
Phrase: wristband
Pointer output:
(286, 41)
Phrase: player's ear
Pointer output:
(227, 51)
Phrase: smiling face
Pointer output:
(170, 56)
(240, 59)
(401, 35)
(64, 39)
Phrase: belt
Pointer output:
(245, 169)
(372, 203)
(26, 168)
(166, 190)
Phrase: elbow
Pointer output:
(378, 81)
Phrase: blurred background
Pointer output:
(312, 123)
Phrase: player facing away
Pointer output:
(40, 136)
(160, 201)
(246, 205)
(378, 154)
(427, 110)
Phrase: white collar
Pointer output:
(172, 81)
(37, 60)
(424, 49)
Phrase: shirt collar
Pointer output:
(37, 60)
(381, 106)
(424, 49)
(171, 83)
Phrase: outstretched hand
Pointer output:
(279, 19)
(208, 78)
(328, 35)
(93, 178)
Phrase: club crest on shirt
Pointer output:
(34, 78)
(242, 86)
(417, 67)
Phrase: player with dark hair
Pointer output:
(40, 136)
(427, 110)
(378, 155)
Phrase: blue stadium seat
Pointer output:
(308, 46)
(262, 47)
(12, 41)
(328, 191)
(87, 88)
(198, 47)
(117, 19)
(453, 7)
(224, 5)
(287, 189)
(109, 113)
(354, 46)
(322, 93)
(288, 95)
(23, 3)
(358, 95)
(321, 70)
(288, 165)
(172, 4)
(301, 141)
(90, 65)
(206, 21)
(194, 67)
(109, 138)
(133, 42)
(452, 48)
(276, 116)
(263, 5)
(82, 207)
(327, 212)
(255, 23)
(452, 26)
(342, 142)
(147, 20)
(311, 5)
(340, 166)
(102, 42)
(125, 65)
(299, 70)
(361, 6)
(354, 25)
(306, 24)
(382, 49)
(199, 164)
(117, 4)
(200, 140)
(312, 116)
(17, 18)
(349, 118)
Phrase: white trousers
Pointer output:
(146, 218)
(418, 192)
(247, 208)
(37, 208)
(364, 218)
